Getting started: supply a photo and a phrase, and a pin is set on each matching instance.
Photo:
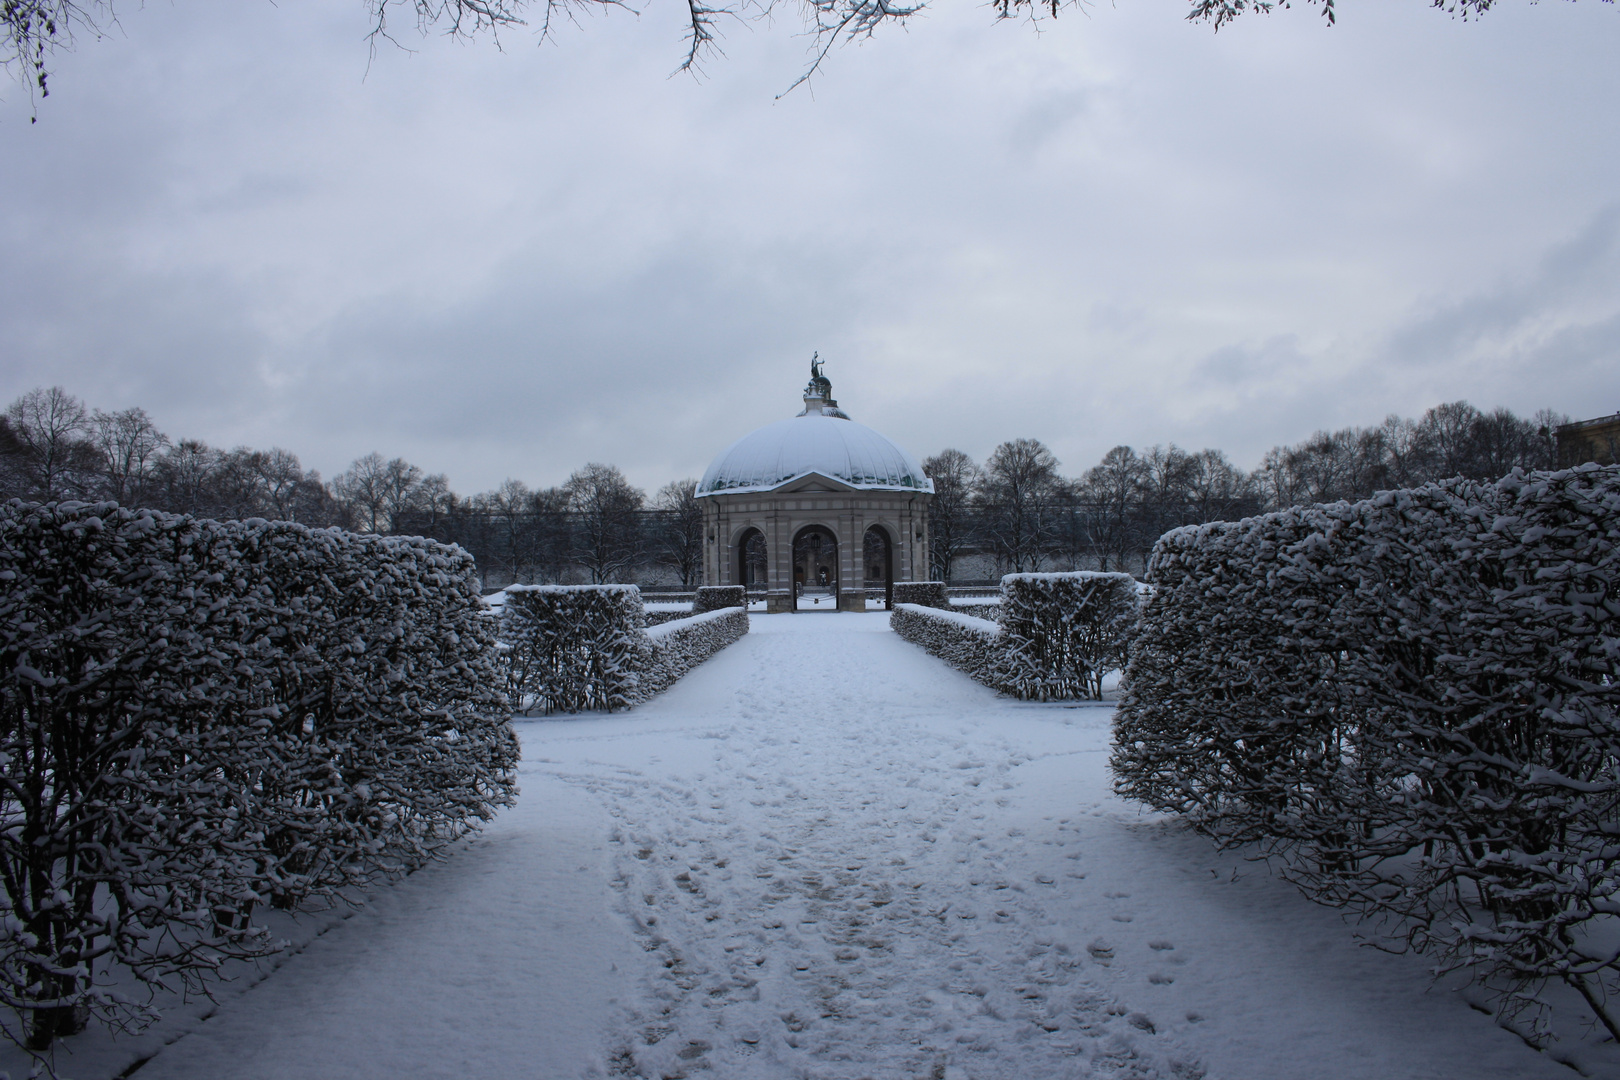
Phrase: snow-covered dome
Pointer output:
(822, 439)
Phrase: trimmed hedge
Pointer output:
(198, 717)
(1057, 634)
(966, 643)
(577, 648)
(681, 645)
(926, 593)
(716, 597)
(1064, 632)
(1413, 703)
(666, 612)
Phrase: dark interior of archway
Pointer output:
(815, 562)
(751, 559)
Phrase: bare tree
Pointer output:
(183, 478)
(607, 525)
(1219, 490)
(48, 442)
(129, 444)
(433, 504)
(1220, 12)
(32, 30)
(380, 494)
(360, 487)
(1016, 495)
(1448, 435)
(1112, 493)
(401, 491)
(680, 530)
(950, 513)
(509, 509)
(1166, 493)
(1453, 439)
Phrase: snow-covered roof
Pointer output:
(813, 442)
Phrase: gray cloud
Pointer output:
(508, 263)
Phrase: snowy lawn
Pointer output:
(827, 854)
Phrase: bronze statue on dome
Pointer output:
(820, 386)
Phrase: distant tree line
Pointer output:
(595, 527)
(1014, 512)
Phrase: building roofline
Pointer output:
(1577, 425)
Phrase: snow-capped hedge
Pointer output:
(679, 646)
(1057, 635)
(926, 593)
(1064, 632)
(1414, 702)
(659, 612)
(197, 717)
(574, 648)
(717, 597)
(962, 641)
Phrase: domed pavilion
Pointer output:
(817, 509)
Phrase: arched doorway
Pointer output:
(877, 553)
(815, 569)
(751, 559)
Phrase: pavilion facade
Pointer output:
(816, 510)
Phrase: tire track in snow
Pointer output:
(824, 891)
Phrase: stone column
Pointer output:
(851, 561)
(778, 561)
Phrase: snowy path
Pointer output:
(825, 854)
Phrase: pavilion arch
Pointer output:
(877, 561)
(816, 563)
(752, 563)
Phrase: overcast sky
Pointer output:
(507, 263)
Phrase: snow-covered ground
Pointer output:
(826, 854)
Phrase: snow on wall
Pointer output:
(1413, 703)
